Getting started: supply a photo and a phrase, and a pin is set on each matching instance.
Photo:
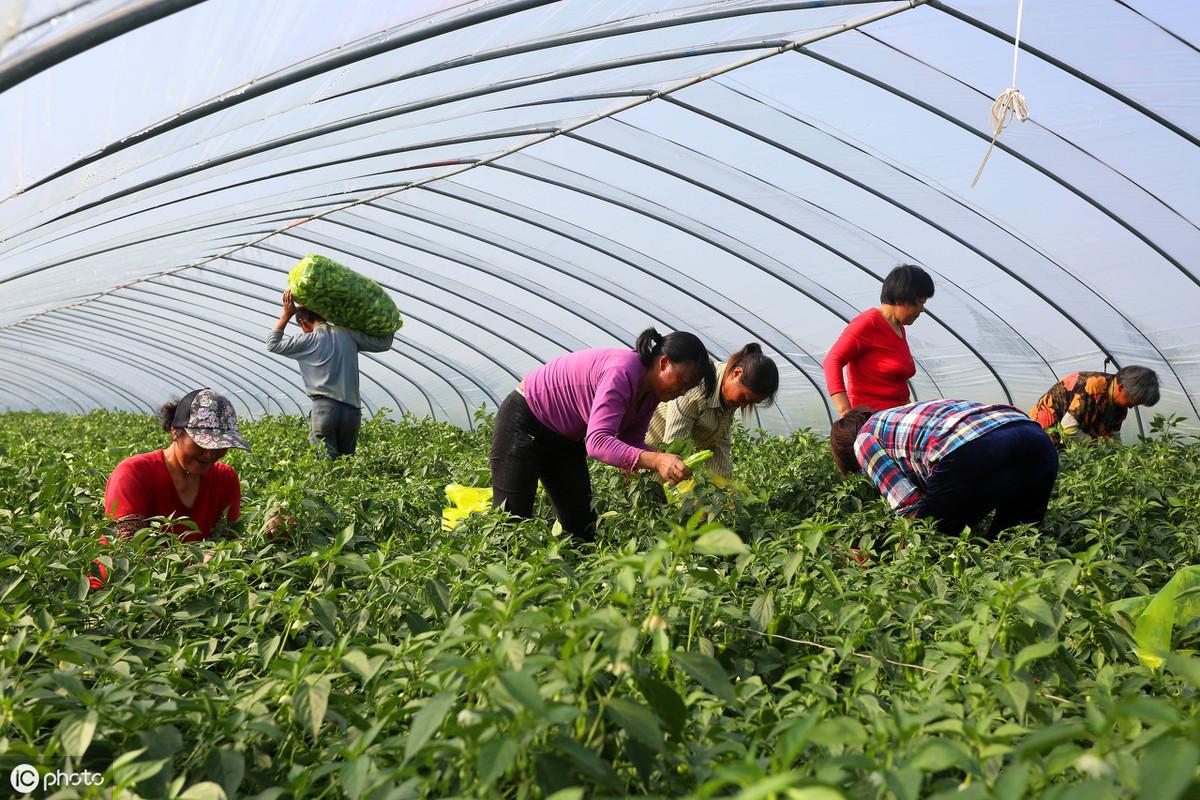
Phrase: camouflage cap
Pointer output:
(209, 419)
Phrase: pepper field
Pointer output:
(731, 648)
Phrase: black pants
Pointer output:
(334, 426)
(1010, 469)
(525, 451)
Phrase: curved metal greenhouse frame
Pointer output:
(746, 169)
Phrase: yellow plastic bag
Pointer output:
(464, 500)
(1176, 604)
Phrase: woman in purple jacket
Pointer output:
(594, 403)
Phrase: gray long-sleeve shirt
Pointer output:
(328, 358)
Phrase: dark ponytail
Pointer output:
(166, 414)
(680, 347)
(759, 373)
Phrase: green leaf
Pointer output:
(905, 783)
(974, 791)
(720, 542)
(126, 758)
(524, 690)
(76, 732)
(772, 786)
(812, 534)
(1168, 769)
(762, 611)
(939, 755)
(1015, 694)
(666, 702)
(1046, 738)
(310, 701)
(573, 793)
(1186, 667)
(495, 757)
(1037, 609)
(204, 791)
(709, 673)
(1033, 652)
(587, 762)
(790, 738)
(1013, 782)
(227, 767)
(1170, 607)
(365, 668)
(163, 741)
(137, 771)
(637, 721)
(267, 649)
(839, 731)
(438, 595)
(426, 722)
(355, 777)
(326, 614)
(815, 793)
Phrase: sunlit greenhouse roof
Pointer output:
(531, 177)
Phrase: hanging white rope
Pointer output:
(1010, 103)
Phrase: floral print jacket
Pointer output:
(1081, 401)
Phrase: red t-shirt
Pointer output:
(141, 485)
(878, 363)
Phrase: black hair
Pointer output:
(759, 373)
(907, 283)
(308, 316)
(166, 414)
(842, 436)
(680, 347)
(1140, 384)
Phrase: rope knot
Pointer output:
(1010, 103)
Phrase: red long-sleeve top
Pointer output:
(878, 363)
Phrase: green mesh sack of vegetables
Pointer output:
(343, 296)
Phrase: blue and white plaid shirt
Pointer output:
(898, 448)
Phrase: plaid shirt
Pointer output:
(899, 448)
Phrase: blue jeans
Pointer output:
(1010, 469)
(334, 425)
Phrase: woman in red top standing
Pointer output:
(186, 479)
(873, 349)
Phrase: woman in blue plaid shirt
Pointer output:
(952, 461)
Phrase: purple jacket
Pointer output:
(591, 396)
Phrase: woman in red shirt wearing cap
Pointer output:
(186, 478)
(873, 349)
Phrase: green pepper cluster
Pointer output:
(343, 296)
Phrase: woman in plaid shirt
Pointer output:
(952, 461)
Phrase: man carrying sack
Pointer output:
(328, 356)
